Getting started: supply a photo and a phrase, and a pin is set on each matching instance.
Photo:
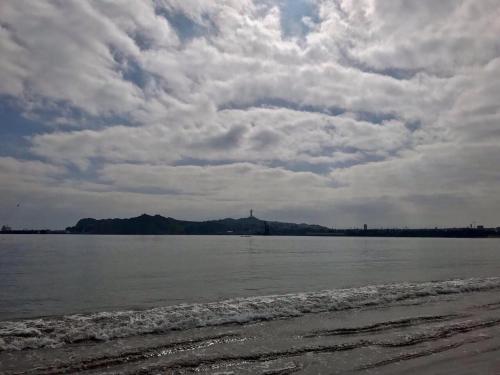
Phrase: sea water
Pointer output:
(160, 302)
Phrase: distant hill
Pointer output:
(147, 224)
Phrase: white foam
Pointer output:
(54, 332)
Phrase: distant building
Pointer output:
(480, 227)
(251, 213)
(6, 228)
(365, 227)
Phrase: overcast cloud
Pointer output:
(332, 112)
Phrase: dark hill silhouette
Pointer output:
(146, 224)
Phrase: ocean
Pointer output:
(231, 304)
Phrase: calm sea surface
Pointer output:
(60, 274)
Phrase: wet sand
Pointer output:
(457, 333)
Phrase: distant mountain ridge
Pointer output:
(157, 224)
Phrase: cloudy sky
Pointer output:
(336, 112)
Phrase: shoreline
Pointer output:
(43, 232)
(450, 325)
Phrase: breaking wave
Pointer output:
(102, 326)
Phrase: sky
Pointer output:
(335, 112)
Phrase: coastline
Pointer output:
(450, 326)
(403, 233)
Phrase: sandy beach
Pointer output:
(434, 328)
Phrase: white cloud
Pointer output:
(30, 171)
(260, 135)
(361, 108)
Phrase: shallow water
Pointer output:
(448, 327)
(230, 305)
